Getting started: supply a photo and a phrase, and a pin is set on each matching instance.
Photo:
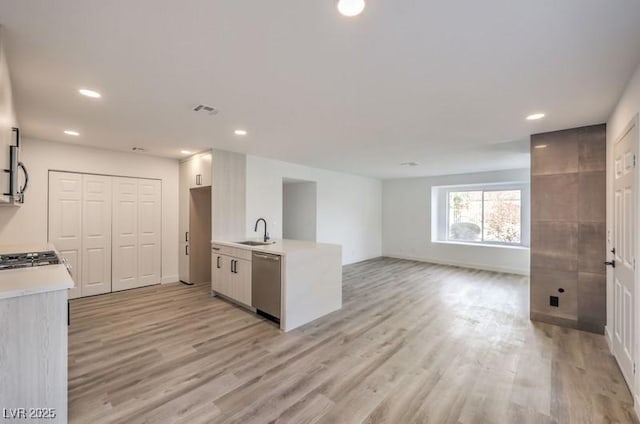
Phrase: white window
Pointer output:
(482, 214)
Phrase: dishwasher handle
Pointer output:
(269, 257)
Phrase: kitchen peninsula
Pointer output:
(33, 330)
(310, 277)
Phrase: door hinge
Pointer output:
(634, 160)
(634, 367)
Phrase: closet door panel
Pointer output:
(149, 237)
(125, 233)
(96, 230)
(65, 224)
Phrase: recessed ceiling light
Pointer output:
(72, 132)
(535, 116)
(90, 93)
(240, 132)
(350, 7)
(186, 152)
(540, 146)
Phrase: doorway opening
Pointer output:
(299, 209)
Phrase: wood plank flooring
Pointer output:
(414, 343)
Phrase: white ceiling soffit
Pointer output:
(446, 84)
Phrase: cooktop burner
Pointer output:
(28, 260)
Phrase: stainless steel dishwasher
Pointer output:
(266, 291)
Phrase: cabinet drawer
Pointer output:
(235, 252)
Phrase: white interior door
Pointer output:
(149, 229)
(96, 235)
(624, 221)
(65, 222)
(125, 233)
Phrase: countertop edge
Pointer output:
(16, 283)
(277, 247)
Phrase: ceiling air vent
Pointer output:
(138, 149)
(206, 109)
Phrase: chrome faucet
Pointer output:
(266, 234)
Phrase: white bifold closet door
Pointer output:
(136, 233)
(80, 228)
(108, 228)
(65, 222)
(96, 234)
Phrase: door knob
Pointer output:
(612, 264)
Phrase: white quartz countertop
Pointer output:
(278, 247)
(26, 281)
(42, 279)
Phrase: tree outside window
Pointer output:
(492, 216)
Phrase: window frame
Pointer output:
(440, 225)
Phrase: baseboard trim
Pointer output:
(608, 339)
(636, 396)
(169, 279)
(553, 320)
(482, 267)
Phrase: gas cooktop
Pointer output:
(28, 260)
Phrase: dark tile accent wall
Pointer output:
(568, 232)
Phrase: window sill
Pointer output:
(499, 246)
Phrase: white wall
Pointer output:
(627, 108)
(349, 207)
(28, 223)
(299, 211)
(406, 224)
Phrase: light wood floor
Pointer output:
(414, 343)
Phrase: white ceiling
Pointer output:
(445, 83)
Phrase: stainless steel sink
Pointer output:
(255, 243)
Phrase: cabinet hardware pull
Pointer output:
(186, 236)
(271, 258)
(218, 262)
(215, 248)
(186, 250)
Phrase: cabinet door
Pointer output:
(185, 183)
(205, 169)
(241, 281)
(96, 234)
(65, 222)
(200, 170)
(7, 121)
(221, 274)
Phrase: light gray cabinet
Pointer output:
(231, 273)
(7, 112)
(33, 364)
